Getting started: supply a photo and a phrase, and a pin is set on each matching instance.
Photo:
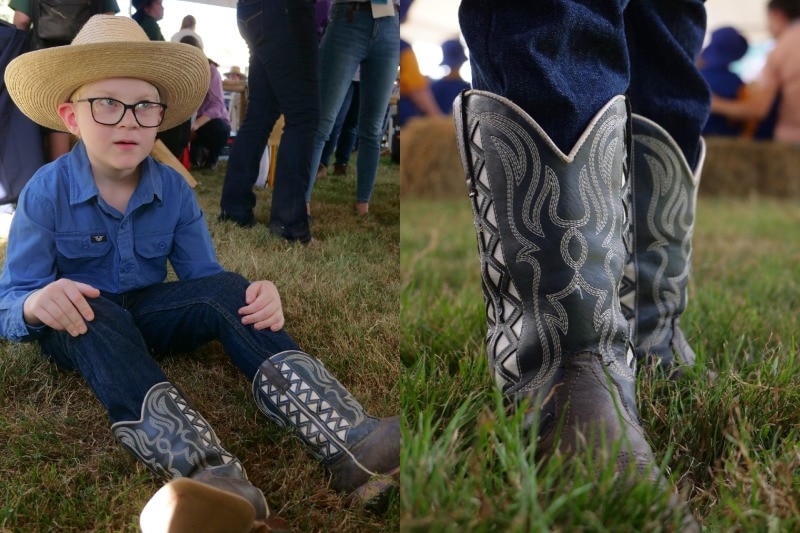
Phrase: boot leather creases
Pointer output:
(654, 291)
(361, 452)
(586, 412)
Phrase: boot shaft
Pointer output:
(173, 440)
(326, 417)
(663, 202)
(550, 232)
(361, 452)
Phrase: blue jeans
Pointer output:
(353, 38)
(283, 79)
(116, 355)
(342, 139)
(562, 60)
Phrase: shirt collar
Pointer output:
(82, 187)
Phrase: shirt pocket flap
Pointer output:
(150, 246)
(77, 246)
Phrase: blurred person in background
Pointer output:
(27, 14)
(283, 78)
(778, 84)
(416, 97)
(365, 33)
(212, 126)
(447, 88)
(188, 27)
(726, 46)
(148, 13)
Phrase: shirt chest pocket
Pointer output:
(152, 251)
(83, 254)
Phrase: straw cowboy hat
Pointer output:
(108, 47)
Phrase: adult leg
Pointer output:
(292, 388)
(343, 46)
(670, 101)
(378, 72)
(291, 61)
(349, 134)
(333, 138)
(238, 200)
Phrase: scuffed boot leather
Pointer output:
(588, 407)
(655, 286)
(551, 233)
(361, 452)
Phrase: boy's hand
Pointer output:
(263, 308)
(61, 305)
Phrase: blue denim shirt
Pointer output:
(63, 229)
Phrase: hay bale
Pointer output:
(430, 166)
(742, 167)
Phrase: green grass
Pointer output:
(731, 446)
(60, 467)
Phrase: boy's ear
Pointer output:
(67, 113)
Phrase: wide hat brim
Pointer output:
(39, 81)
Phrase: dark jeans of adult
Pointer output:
(343, 138)
(283, 79)
(177, 139)
(209, 141)
(115, 355)
(563, 60)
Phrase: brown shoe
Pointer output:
(322, 171)
(339, 169)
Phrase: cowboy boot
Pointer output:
(654, 290)
(550, 232)
(361, 452)
(208, 488)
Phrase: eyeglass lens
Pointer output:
(109, 111)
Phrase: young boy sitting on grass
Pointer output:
(85, 279)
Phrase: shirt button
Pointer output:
(162, 245)
(84, 245)
(126, 269)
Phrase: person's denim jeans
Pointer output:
(116, 355)
(562, 60)
(342, 138)
(283, 79)
(353, 38)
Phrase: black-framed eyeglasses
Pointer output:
(110, 112)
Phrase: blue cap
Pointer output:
(726, 46)
(453, 53)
